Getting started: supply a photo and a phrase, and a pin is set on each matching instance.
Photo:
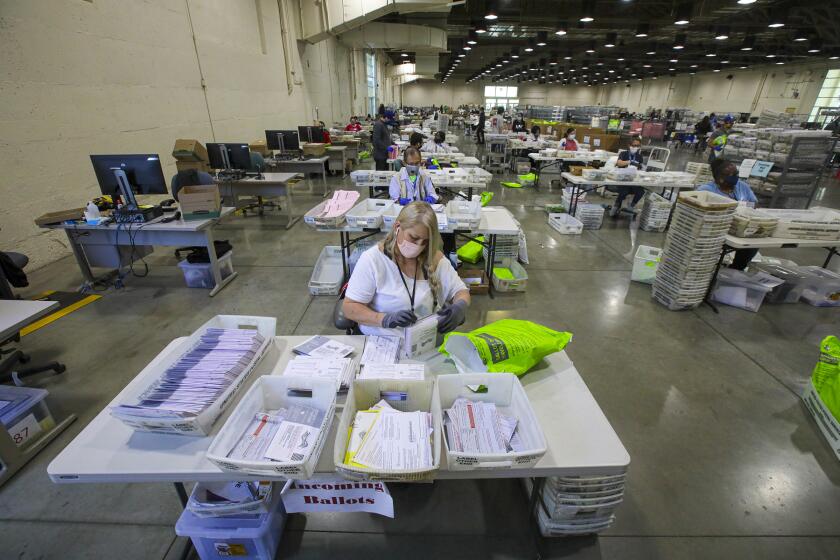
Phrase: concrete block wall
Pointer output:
(110, 76)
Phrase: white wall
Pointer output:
(113, 76)
(423, 93)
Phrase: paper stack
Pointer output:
(218, 499)
(655, 213)
(282, 435)
(393, 371)
(381, 350)
(478, 427)
(385, 439)
(578, 505)
(340, 370)
(323, 347)
(199, 377)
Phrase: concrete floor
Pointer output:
(725, 461)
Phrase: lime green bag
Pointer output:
(511, 185)
(486, 197)
(508, 345)
(826, 375)
(471, 252)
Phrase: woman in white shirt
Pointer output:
(405, 278)
(437, 145)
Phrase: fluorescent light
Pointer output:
(587, 19)
(746, 2)
(642, 30)
(404, 54)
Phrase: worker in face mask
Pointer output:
(410, 184)
(568, 143)
(437, 145)
(631, 157)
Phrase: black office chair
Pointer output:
(341, 322)
(8, 369)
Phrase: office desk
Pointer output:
(179, 233)
(580, 440)
(272, 184)
(15, 315)
(337, 159)
(352, 146)
(312, 165)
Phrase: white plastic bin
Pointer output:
(506, 392)
(198, 424)
(645, 264)
(364, 393)
(822, 288)
(463, 214)
(27, 416)
(390, 216)
(742, 290)
(270, 393)
(259, 505)
(565, 223)
(520, 278)
(249, 537)
(794, 282)
(368, 213)
(199, 275)
(328, 273)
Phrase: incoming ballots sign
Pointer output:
(302, 496)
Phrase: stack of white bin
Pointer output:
(574, 505)
(692, 248)
(655, 212)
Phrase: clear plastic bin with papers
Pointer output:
(505, 391)
(822, 288)
(746, 291)
(271, 393)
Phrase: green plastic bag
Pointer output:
(503, 273)
(471, 252)
(486, 197)
(511, 185)
(508, 345)
(826, 375)
(364, 155)
(529, 177)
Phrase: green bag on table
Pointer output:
(486, 197)
(471, 251)
(508, 345)
(826, 375)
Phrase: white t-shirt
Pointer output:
(376, 282)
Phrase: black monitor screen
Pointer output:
(143, 171)
(311, 134)
(239, 156)
(290, 139)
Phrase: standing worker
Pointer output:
(497, 121)
(381, 139)
(717, 141)
(701, 131)
(631, 157)
(479, 128)
(725, 182)
(568, 143)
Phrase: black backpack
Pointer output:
(13, 273)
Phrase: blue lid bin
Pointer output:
(24, 414)
(245, 537)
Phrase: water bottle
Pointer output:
(92, 213)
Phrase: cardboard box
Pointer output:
(314, 149)
(260, 147)
(475, 279)
(577, 169)
(188, 149)
(60, 216)
(197, 165)
(199, 202)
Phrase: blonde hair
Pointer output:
(419, 214)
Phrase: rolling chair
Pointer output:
(341, 322)
(13, 356)
(258, 165)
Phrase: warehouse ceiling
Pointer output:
(604, 41)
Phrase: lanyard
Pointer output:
(413, 288)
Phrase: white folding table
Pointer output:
(268, 184)
(543, 162)
(580, 440)
(179, 233)
(311, 165)
(16, 314)
(578, 184)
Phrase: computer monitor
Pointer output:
(124, 175)
(311, 134)
(229, 156)
(283, 140)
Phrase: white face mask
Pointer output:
(634, 150)
(572, 136)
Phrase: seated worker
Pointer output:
(437, 145)
(405, 277)
(568, 142)
(629, 158)
(725, 182)
(414, 141)
(327, 139)
(410, 185)
(518, 125)
(189, 178)
(354, 125)
(535, 133)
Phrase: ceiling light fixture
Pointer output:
(530, 47)
(748, 44)
(642, 30)
(542, 38)
(651, 49)
(815, 46)
(800, 36)
(746, 2)
(404, 54)
(722, 33)
(683, 14)
(586, 14)
(492, 12)
(472, 38)
(514, 53)
(561, 29)
(777, 19)
(611, 40)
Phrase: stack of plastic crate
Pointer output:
(702, 172)
(655, 212)
(591, 215)
(575, 505)
(507, 246)
(692, 248)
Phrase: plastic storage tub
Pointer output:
(27, 415)
(742, 290)
(565, 223)
(249, 536)
(794, 282)
(314, 218)
(199, 275)
(506, 392)
(390, 216)
(463, 214)
(258, 505)
(822, 288)
(271, 392)
(645, 264)
(516, 284)
(364, 393)
(368, 213)
(328, 273)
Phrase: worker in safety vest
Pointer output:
(410, 184)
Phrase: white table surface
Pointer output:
(579, 437)
(777, 242)
(578, 157)
(154, 225)
(18, 313)
(268, 179)
(316, 161)
(578, 180)
(494, 219)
